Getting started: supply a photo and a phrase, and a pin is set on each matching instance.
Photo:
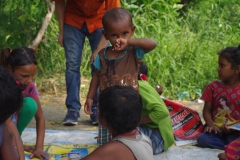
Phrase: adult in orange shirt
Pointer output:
(77, 20)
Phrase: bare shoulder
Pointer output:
(112, 150)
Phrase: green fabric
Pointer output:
(26, 113)
(154, 107)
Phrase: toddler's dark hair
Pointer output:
(143, 68)
(116, 15)
(21, 56)
(10, 95)
(232, 54)
(121, 107)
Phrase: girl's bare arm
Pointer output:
(208, 118)
(40, 126)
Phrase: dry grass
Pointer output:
(56, 86)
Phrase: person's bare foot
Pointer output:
(222, 156)
(159, 89)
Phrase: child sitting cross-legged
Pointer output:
(222, 102)
(120, 112)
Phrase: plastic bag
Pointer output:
(186, 122)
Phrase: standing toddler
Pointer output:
(119, 63)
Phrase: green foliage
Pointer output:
(184, 60)
(20, 21)
(19, 24)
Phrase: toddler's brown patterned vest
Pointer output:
(122, 71)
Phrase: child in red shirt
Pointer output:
(222, 102)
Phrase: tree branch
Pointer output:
(46, 21)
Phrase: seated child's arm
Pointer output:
(210, 126)
(92, 90)
(16, 144)
(145, 119)
(18, 141)
(224, 128)
(40, 126)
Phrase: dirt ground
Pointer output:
(54, 110)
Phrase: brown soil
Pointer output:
(52, 98)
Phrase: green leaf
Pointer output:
(7, 37)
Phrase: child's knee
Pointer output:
(29, 106)
(158, 148)
(157, 143)
(201, 140)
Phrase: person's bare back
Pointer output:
(112, 150)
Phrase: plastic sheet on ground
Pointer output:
(66, 144)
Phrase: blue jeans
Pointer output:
(155, 137)
(74, 39)
(216, 140)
